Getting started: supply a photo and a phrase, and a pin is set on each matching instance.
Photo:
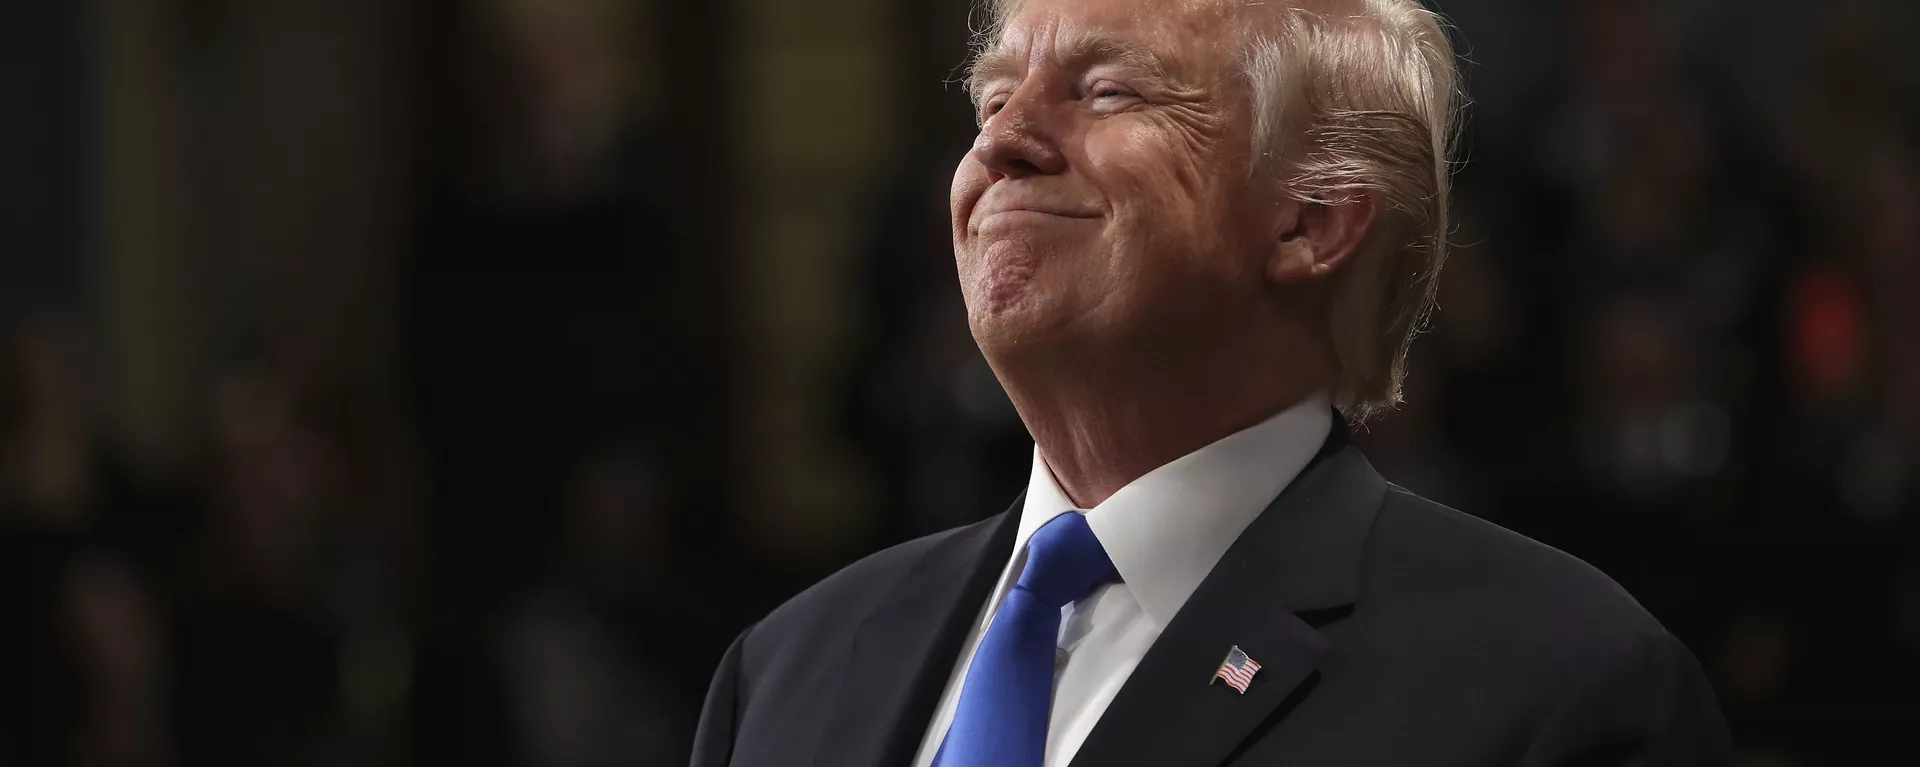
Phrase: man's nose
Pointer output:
(1017, 142)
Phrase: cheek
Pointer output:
(1157, 167)
(1176, 197)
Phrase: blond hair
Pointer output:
(1355, 98)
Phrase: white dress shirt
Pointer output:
(1164, 532)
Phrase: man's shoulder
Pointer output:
(1424, 551)
(1451, 602)
(842, 600)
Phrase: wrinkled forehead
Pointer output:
(1000, 11)
(1191, 39)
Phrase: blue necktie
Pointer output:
(1004, 707)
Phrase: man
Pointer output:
(1189, 230)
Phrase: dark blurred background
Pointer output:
(448, 381)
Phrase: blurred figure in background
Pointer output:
(84, 654)
(258, 635)
(581, 651)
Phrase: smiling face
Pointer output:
(1106, 204)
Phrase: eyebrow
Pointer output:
(1086, 48)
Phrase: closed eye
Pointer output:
(991, 107)
(1109, 95)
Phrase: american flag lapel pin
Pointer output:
(1237, 670)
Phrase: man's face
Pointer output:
(1106, 203)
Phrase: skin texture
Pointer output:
(1138, 293)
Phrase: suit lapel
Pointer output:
(1300, 555)
(904, 651)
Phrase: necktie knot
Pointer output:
(1065, 562)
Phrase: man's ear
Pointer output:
(1316, 238)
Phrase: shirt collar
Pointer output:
(1167, 529)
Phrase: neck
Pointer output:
(1100, 427)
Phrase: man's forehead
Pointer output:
(1113, 9)
(1172, 33)
(1138, 16)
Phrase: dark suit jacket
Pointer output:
(1391, 630)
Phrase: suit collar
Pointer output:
(1302, 555)
(903, 651)
(1310, 540)
(1167, 529)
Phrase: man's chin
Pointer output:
(1020, 328)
